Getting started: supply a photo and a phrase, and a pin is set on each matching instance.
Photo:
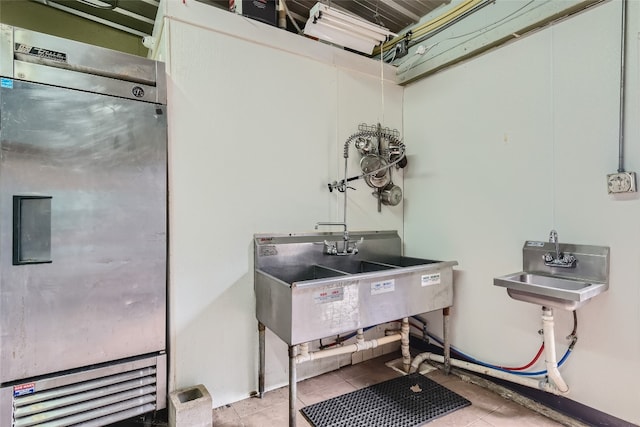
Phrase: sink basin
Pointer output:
(304, 294)
(555, 286)
(552, 291)
(301, 273)
(356, 265)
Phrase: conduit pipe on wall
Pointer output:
(623, 54)
(557, 385)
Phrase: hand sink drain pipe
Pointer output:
(554, 383)
(550, 351)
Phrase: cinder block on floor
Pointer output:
(190, 407)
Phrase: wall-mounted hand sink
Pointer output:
(546, 284)
(568, 294)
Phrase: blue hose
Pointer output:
(497, 368)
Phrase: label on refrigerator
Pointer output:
(40, 52)
(22, 389)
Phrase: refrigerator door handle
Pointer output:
(31, 230)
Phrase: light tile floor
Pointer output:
(487, 408)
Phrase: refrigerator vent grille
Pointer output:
(96, 402)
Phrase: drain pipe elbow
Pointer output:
(550, 351)
(418, 360)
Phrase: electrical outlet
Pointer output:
(621, 182)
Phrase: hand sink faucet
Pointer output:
(558, 259)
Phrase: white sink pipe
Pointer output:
(550, 351)
(404, 345)
(556, 385)
(305, 355)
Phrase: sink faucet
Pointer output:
(345, 233)
(560, 259)
(331, 248)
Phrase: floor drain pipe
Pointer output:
(550, 350)
(525, 381)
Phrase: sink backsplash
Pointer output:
(592, 262)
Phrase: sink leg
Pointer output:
(447, 339)
(292, 386)
(261, 352)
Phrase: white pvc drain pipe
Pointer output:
(555, 383)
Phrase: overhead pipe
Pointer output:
(283, 3)
(430, 25)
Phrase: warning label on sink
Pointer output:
(328, 295)
(383, 287)
(431, 279)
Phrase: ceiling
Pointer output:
(395, 15)
(132, 16)
(138, 16)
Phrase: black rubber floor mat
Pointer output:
(407, 401)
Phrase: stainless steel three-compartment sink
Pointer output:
(304, 294)
(305, 291)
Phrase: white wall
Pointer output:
(257, 121)
(508, 146)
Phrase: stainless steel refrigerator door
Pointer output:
(99, 162)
